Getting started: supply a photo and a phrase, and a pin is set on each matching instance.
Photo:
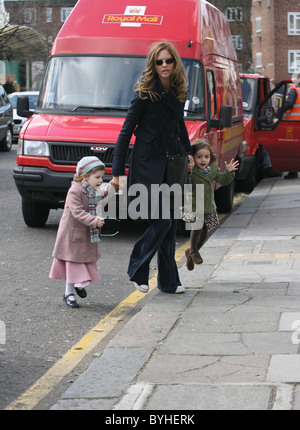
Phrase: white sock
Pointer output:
(70, 290)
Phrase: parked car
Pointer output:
(18, 120)
(6, 121)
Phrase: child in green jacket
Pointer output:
(204, 172)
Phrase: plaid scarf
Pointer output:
(93, 200)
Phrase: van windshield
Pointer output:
(98, 83)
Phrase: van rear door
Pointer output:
(279, 136)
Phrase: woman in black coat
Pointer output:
(158, 104)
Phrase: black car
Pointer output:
(6, 121)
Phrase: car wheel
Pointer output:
(6, 143)
(35, 214)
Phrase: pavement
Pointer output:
(231, 341)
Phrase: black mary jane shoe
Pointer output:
(70, 303)
(81, 292)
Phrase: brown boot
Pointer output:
(196, 257)
(189, 260)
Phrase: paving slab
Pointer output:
(183, 368)
(211, 397)
(284, 368)
(109, 374)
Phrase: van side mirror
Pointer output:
(225, 117)
(23, 106)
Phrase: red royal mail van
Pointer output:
(255, 88)
(279, 133)
(96, 59)
(267, 129)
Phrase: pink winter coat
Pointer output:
(73, 241)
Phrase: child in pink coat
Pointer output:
(76, 249)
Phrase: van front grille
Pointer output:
(71, 153)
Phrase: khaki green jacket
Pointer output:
(198, 177)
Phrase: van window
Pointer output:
(196, 98)
(211, 94)
(105, 82)
(269, 113)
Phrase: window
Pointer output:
(258, 24)
(294, 23)
(29, 16)
(109, 83)
(234, 14)
(259, 60)
(237, 42)
(211, 95)
(65, 12)
(49, 14)
(294, 61)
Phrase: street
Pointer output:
(39, 328)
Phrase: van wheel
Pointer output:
(6, 143)
(224, 198)
(248, 184)
(35, 214)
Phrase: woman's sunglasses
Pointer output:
(161, 62)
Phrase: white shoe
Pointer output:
(142, 288)
(180, 289)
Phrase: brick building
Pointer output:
(276, 37)
(25, 62)
(238, 13)
(44, 16)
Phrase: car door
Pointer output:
(279, 136)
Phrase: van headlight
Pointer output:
(38, 148)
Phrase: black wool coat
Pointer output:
(145, 119)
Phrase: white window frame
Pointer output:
(258, 24)
(64, 13)
(294, 61)
(237, 42)
(29, 15)
(259, 60)
(293, 21)
(49, 14)
(234, 14)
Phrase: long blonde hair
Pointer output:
(178, 80)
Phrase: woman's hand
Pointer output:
(116, 182)
(233, 165)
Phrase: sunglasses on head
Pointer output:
(161, 62)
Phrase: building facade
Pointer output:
(45, 18)
(276, 38)
(238, 13)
